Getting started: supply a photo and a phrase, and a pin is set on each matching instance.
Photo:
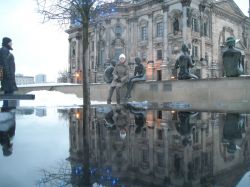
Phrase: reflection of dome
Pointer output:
(123, 134)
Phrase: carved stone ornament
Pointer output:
(186, 2)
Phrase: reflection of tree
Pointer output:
(60, 176)
(75, 172)
(63, 114)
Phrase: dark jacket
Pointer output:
(8, 84)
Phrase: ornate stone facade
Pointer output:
(155, 31)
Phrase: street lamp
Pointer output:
(77, 76)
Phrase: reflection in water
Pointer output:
(118, 146)
(7, 130)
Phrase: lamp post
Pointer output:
(77, 76)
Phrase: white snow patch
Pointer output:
(51, 98)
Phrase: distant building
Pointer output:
(40, 78)
(154, 30)
(41, 112)
(22, 80)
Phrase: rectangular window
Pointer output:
(159, 54)
(144, 34)
(205, 31)
(195, 51)
(160, 159)
(101, 57)
(160, 134)
(195, 136)
(143, 55)
(145, 157)
(195, 25)
(159, 114)
(159, 29)
(93, 45)
(118, 31)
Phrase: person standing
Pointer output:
(139, 75)
(8, 82)
(120, 77)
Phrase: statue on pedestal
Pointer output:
(232, 59)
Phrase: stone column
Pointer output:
(184, 24)
(150, 46)
(150, 37)
(164, 66)
(133, 22)
(108, 39)
(185, 5)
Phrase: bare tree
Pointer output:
(63, 76)
(64, 11)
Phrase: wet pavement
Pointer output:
(123, 146)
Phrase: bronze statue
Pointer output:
(108, 72)
(184, 62)
(176, 25)
(232, 59)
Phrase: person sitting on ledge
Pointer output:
(139, 74)
(184, 62)
(232, 59)
(121, 75)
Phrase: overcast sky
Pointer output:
(40, 48)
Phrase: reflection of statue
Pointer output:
(232, 59)
(109, 121)
(232, 130)
(184, 127)
(108, 72)
(7, 131)
(140, 119)
(184, 62)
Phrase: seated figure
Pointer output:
(232, 59)
(108, 72)
(184, 62)
(139, 75)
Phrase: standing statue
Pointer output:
(176, 25)
(184, 62)
(232, 59)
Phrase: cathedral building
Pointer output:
(155, 30)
